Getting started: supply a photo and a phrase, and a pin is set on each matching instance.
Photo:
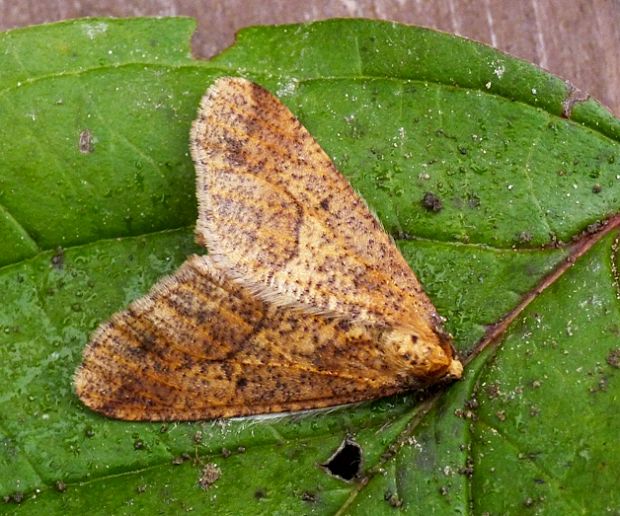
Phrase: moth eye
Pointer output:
(414, 339)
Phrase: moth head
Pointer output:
(427, 356)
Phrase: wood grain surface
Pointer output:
(575, 39)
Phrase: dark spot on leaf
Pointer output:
(209, 475)
(16, 497)
(58, 259)
(468, 469)
(346, 462)
(138, 444)
(259, 494)
(60, 486)
(85, 142)
(466, 412)
(597, 188)
(393, 499)
(389, 453)
(399, 234)
(180, 459)
(613, 358)
(472, 403)
(492, 390)
(431, 202)
(309, 496)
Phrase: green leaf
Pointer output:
(97, 203)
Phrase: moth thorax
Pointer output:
(412, 352)
(402, 342)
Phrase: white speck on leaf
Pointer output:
(93, 30)
(288, 88)
(499, 70)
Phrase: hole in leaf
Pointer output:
(346, 462)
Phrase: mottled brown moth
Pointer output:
(302, 302)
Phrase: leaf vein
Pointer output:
(26, 236)
(526, 171)
(554, 480)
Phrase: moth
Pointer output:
(302, 302)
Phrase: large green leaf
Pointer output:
(97, 203)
